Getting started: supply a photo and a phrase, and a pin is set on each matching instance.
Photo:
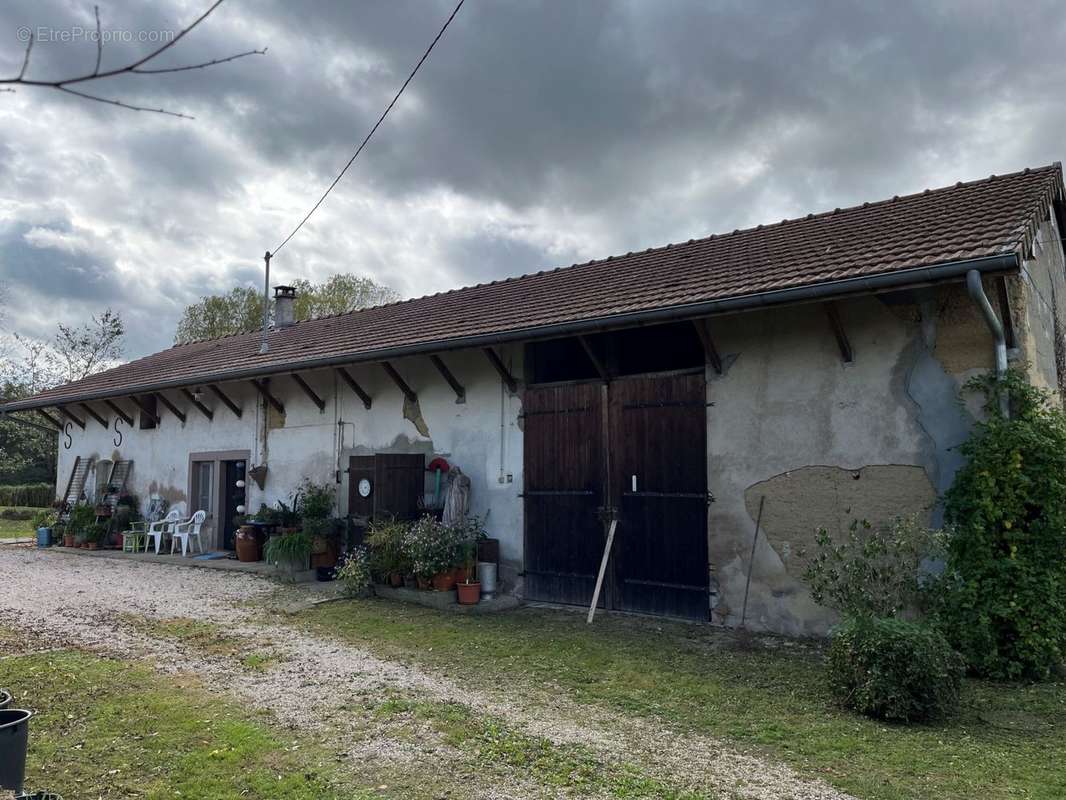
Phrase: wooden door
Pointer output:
(646, 456)
(401, 482)
(659, 479)
(564, 487)
(397, 483)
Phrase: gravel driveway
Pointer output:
(310, 683)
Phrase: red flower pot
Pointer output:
(469, 593)
(444, 581)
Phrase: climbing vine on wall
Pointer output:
(1002, 600)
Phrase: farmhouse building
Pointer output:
(799, 375)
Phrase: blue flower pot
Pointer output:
(44, 537)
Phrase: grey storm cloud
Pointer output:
(537, 134)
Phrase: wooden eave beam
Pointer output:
(597, 362)
(355, 387)
(442, 368)
(501, 368)
(704, 332)
(841, 335)
(207, 412)
(236, 409)
(318, 401)
(173, 409)
(79, 422)
(50, 418)
(408, 392)
(127, 418)
(152, 415)
(261, 387)
(92, 413)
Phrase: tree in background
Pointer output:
(238, 311)
(339, 294)
(241, 309)
(29, 366)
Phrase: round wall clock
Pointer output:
(364, 488)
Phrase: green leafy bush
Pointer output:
(36, 495)
(354, 572)
(82, 517)
(291, 549)
(21, 514)
(872, 570)
(1002, 597)
(894, 669)
(44, 518)
(386, 541)
(316, 500)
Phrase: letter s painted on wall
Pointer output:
(118, 434)
(66, 432)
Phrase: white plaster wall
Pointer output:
(481, 436)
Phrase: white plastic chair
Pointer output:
(158, 531)
(185, 532)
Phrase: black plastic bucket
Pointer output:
(5, 698)
(14, 739)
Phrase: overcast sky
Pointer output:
(537, 135)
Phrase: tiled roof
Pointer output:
(988, 217)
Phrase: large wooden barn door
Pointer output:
(657, 436)
(564, 487)
(659, 477)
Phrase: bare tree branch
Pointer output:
(134, 68)
(99, 41)
(26, 58)
(120, 104)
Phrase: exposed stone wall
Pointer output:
(1040, 295)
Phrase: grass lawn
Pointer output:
(13, 528)
(108, 728)
(1009, 741)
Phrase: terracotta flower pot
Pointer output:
(396, 580)
(469, 593)
(91, 545)
(68, 540)
(246, 546)
(444, 581)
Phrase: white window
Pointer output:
(203, 487)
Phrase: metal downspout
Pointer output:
(980, 299)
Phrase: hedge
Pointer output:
(37, 495)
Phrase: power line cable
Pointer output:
(377, 124)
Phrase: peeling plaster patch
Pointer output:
(963, 341)
(413, 412)
(171, 494)
(275, 419)
(801, 501)
(401, 444)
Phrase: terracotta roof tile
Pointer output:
(987, 217)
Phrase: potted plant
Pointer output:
(95, 534)
(435, 551)
(82, 517)
(469, 589)
(43, 522)
(290, 551)
(389, 560)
